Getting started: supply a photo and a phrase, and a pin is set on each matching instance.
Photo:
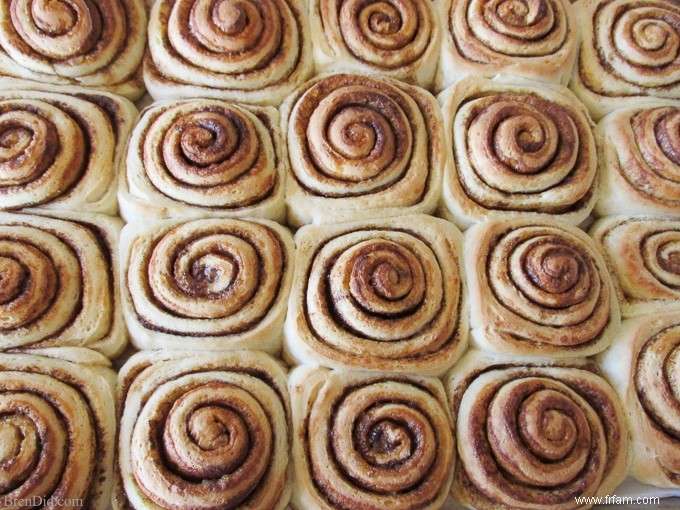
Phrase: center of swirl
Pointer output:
(230, 16)
(54, 17)
(12, 278)
(385, 22)
(555, 269)
(386, 278)
(206, 138)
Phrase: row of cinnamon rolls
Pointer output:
(259, 51)
(343, 146)
(195, 429)
(396, 295)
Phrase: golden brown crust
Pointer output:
(536, 40)
(60, 282)
(215, 283)
(538, 287)
(204, 157)
(518, 148)
(644, 367)
(369, 441)
(361, 145)
(73, 42)
(643, 256)
(400, 39)
(57, 423)
(202, 430)
(378, 295)
(629, 51)
(535, 433)
(250, 52)
(640, 160)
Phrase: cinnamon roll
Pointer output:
(535, 433)
(57, 429)
(250, 51)
(361, 146)
(396, 38)
(369, 441)
(643, 366)
(204, 157)
(209, 284)
(629, 51)
(517, 148)
(202, 430)
(382, 295)
(58, 44)
(60, 152)
(536, 39)
(538, 287)
(643, 256)
(60, 282)
(640, 172)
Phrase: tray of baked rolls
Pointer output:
(339, 254)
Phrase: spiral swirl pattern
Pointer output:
(185, 157)
(535, 437)
(518, 149)
(642, 161)
(356, 142)
(221, 283)
(255, 51)
(75, 42)
(57, 430)
(59, 152)
(539, 288)
(532, 38)
(370, 441)
(643, 254)
(58, 286)
(399, 38)
(380, 296)
(203, 431)
(630, 49)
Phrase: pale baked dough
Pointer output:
(59, 278)
(380, 295)
(369, 440)
(538, 287)
(535, 433)
(211, 284)
(643, 366)
(203, 430)
(204, 157)
(361, 146)
(518, 148)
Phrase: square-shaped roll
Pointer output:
(204, 157)
(59, 279)
(644, 369)
(640, 162)
(58, 45)
(365, 440)
(397, 39)
(518, 148)
(540, 288)
(61, 152)
(203, 430)
(535, 432)
(252, 52)
(57, 429)
(628, 52)
(643, 256)
(361, 146)
(211, 284)
(487, 37)
(384, 295)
